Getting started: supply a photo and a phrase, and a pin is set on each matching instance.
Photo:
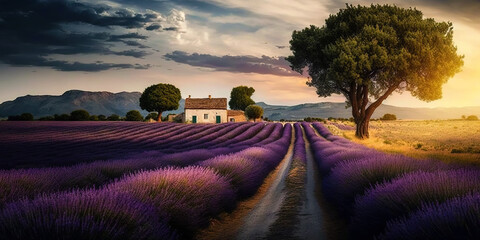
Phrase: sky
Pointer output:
(203, 47)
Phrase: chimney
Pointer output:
(210, 96)
(189, 96)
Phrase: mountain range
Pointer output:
(108, 103)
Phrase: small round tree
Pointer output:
(254, 112)
(388, 117)
(133, 115)
(152, 115)
(367, 53)
(113, 117)
(240, 98)
(79, 115)
(472, 118)
(159, 98)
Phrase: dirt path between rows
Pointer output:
(231, 225)
(256, 224)
(312, 224)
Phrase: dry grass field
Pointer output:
(446, 140)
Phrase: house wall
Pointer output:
(238, 118)
(212, 113)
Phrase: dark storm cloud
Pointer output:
(35, 29)
(240, 64)
(153, 27)
(22, 60)
(171, 29)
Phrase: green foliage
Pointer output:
(388, 117)
(472, 118)
(62, 117)
(152, 115)
(313, 119)
(254, 112)
(240, 98)
(113, 117)
(102, 117)
(47, 118)
(79, 115)
(160, 97)
(93, 118)
(133, 115)
(367, 53)
(21, 117)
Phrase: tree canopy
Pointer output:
(80, 115)
(367, 52)
(240, 98)
(159, 98)
(133, 115)
(254, 112)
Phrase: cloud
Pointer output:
(239, 64)
(70, 66)
(37, 29)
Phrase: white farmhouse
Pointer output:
(205, 110)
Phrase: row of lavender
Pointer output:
(27, 183)
(150, 204)
(389, 196)
(61, 144)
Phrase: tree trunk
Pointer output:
(362, 128)
(159, 116)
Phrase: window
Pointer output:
(205, 116)
(232, 119)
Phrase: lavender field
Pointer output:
(122, 180)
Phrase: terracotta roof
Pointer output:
(206, 103)
(235, 113)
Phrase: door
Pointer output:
(194, 119)
(219, 119)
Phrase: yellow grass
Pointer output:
(424, 139)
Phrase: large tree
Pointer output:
(367, 53)
(159, 98)
(240, 98)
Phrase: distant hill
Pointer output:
(108, 103)
(96, 103)
(338, 110)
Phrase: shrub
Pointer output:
(63, 117)
(190, 196)
(93, 118)
(388, 117)
(79, 115)
(113, 117)
(89, 214)
(133, 115)
(405, 194)
(472, 118)
(254, 112)
(102, 117)
(47, 118)
(454, 219)
(21, 117)
(349, 179)
(152, 115)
